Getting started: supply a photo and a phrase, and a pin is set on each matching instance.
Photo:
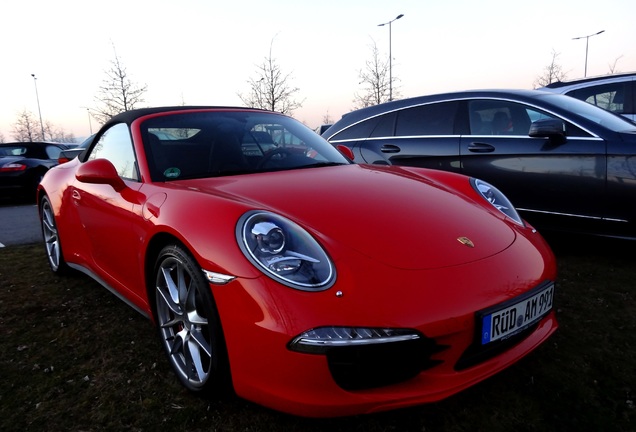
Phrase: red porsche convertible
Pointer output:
(273, 266)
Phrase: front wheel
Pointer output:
(189, 325)
(51, 238)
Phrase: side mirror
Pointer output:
(548, 128)
(346, 151)
(100, 171)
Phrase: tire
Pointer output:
(188, 323)
(52, 243)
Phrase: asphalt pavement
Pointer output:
(19, 224)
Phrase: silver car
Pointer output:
(615, 93)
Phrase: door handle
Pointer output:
(480, 148)
(390, 148)
(76, 195)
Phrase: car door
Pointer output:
(107, 216)
(419, 136)
(539, 175)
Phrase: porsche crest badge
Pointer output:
(466, 241)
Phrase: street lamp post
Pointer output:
(37, 97)
(390, 55)
(90, 124)
(587, 40)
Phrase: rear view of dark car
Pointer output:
(23, 164)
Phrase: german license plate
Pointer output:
(513, 318)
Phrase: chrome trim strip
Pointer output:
(592, 138)
(453, 136)
(505, 99)
(590, 82)
(103, 283)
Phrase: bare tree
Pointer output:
(326, 119)
(58, 134)
(375, 78)
(26, 128)
(613, 69)
(1, 137)
(117, 93)
(271, 89)
(551, 73)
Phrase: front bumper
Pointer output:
(260, 318)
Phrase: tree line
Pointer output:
(270, 88)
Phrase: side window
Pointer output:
(385, 125)
(611, 96)
(53, 152)
(499, 117)
(570, 129)
(116, 146)
(375, 126)
(494, 117)
(432, 119)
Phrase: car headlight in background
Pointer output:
(284, 251)
(498, 200)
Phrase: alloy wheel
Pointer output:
(51, 236)
(184, 311)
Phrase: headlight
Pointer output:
(497, 199)
(284, 251)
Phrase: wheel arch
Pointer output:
(156, 244)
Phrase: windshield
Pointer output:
(591, 112)
(199, 144)
(13, 151)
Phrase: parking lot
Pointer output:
(19, 224)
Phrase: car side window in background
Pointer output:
(13, 151)
(495, 117)
(384, 126)
(365, 128)
(570, 129)
(53, 152)
(431, 119)
(611, 97)
(498, 117)
(116, 146)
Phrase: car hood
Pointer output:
(388, 214)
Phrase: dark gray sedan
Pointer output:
(565, 164)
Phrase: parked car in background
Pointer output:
(67, 155)
(23, 164)
(615, 93)
(322, 128)
(565, 164)
(312, 285)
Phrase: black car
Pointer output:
(565, 164)
(23, 164)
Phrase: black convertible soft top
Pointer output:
(129, 116)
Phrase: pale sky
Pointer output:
(203, 52)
